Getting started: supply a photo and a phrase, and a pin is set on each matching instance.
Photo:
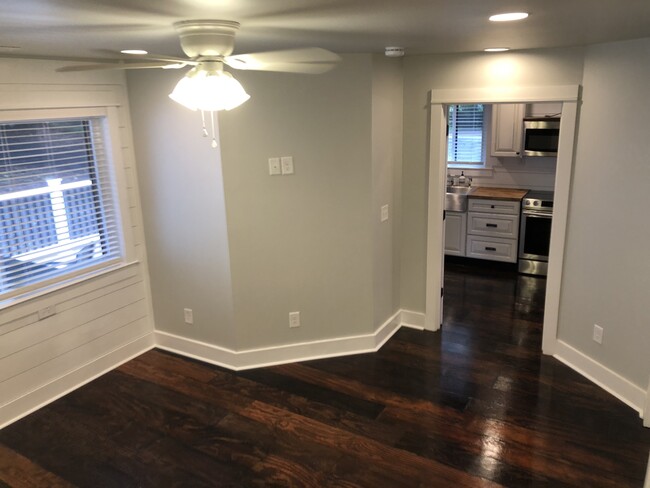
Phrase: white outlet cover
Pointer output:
(274, 167)
(188, 315)
(384, 213)
(287, 165)
(598, 334)
(294, 319)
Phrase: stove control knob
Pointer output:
(527, 202)
(536, 203)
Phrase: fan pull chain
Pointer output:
(205, 131)
(214, 137)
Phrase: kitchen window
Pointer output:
(466, 135)
(57, 209)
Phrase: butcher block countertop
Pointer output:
(498, 193)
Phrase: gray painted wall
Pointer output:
(387, 96)
(301, 242)
(308, 242)
(183, 212)
(606, 278)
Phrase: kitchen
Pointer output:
(500, 180)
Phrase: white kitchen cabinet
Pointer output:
(493, 225)
(493, 229)
(492, 248)
(455, 233)
(507, 126)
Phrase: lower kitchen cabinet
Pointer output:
(455, 232)
(493, 230)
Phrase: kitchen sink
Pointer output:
(456, 198)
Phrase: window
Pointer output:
(57, 212)
(466, 141)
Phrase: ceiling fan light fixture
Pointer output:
(209, 91)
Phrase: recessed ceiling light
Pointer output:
(496, 49)
(134, 51)
(508, 17)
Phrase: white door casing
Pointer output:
(569, 96)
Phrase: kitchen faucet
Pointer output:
(459, 180)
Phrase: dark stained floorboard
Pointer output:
(473, 405)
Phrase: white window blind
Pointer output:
(57, 212)
(465, 140)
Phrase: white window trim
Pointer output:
(117, 184)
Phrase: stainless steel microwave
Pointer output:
(541, 136)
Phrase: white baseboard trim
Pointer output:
(413, 320)
(611, 382)
(646, 419)
(270, 356)
(58, 387)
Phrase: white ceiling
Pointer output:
(81, 28)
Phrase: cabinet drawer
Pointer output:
(492, 248)
(494, 206)
(493, 225)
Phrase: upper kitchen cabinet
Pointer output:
(507, 120)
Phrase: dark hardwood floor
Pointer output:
(474, 405)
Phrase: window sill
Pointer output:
(63, 284)
(468, 166)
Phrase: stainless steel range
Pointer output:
(535, 232)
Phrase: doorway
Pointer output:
(568, 96)
(506, 231)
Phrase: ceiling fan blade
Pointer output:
(147, 57)
(109, 66)
(311, 60)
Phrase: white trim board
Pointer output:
(413, 320)
(290, 353)
(55, 389)
(646, 415)
(611, 382)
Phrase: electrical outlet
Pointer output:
(294, 319)
(189, 316)
(384, 213)
(598, 334)
(46, 312)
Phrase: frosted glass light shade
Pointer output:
(209, 91)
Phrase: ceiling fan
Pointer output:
(208, 45)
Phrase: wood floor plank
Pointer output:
(20, 472)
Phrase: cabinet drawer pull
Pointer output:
(491, 225)
(490, 248)
(491, 206)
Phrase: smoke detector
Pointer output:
(394, 52)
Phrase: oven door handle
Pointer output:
(541, 215)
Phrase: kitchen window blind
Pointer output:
(57, 209)
(465, 142)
